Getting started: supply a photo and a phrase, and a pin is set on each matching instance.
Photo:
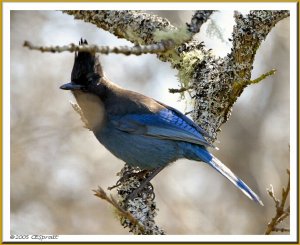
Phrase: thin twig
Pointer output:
(188, 112)
(180, 90)
(263, 76)
(281, 214)
(281, 230)
(102, 194)
(160, 47)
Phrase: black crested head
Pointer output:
(86, 67)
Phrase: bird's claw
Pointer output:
(127, 175)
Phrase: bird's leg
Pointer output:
(128, 174)
(150, 190)
(134, 194)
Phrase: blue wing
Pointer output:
(186, 119)
(164, 124)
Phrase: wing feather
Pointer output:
(165, 124)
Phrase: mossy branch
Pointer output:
(263, 76)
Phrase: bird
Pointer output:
(137, 129)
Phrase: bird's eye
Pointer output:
(99, 81)
(92, 78)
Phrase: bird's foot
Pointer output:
(127, 175)
(145, 186)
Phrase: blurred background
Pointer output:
(56, 163)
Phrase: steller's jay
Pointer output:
(139, 130)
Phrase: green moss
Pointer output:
(187, 66)
(179, 35)
(237, 87)
(133, 36)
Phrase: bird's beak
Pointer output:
(71, 86)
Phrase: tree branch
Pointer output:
(218, 82)
(263, 76)
(160, 47)
(142, 208)
(134, 26)
(180, 90)
(198, 19)
(281, 212)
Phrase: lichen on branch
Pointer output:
(135, 26)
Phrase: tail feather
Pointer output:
(225, 171)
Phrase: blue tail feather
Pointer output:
(225, 171)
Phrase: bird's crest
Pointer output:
(86, 65)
